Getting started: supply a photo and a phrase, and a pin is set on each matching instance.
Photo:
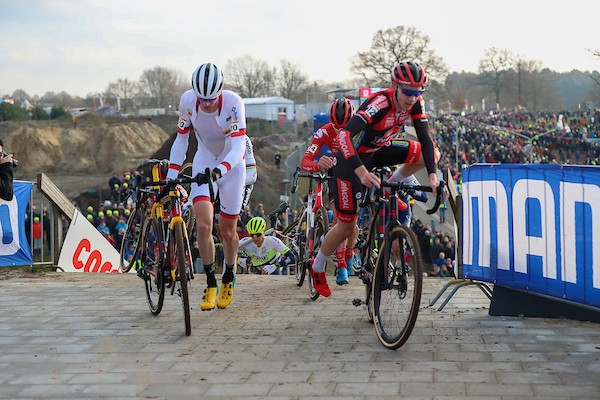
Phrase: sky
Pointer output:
(81, 46)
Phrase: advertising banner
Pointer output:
(14, 248)
(533, 228)
(86, 250)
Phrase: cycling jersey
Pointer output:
(267, 255)
(251, 173)
(324, 136)
(221, 145)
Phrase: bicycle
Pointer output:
(144, 198)
(165, 260)
(306, 232)
(391, 264)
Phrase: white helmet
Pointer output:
(207, 81)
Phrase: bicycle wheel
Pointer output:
(152, 265)
(291, 237)
(397, 286)
(181, 267)
(131, 240)
(318, 233)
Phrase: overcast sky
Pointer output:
(81, 46)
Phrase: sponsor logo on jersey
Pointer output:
(319, 133)
(312, 149)
(190, 112)
(345, 195)
(344, 147)
(234, 111)
(228, 118)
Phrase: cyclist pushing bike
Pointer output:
(340, 112)
(266, 254)
(380, 118)
(217, 118)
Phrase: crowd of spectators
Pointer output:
(518, 137)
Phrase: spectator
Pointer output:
(121, 224)
(114, 181)
(102, 228)
(119, 238)
(37, 234)
(277, 160)
(448, 268)
(259, 211)
(442, 211)
(6, 174)
(440, 260)
(425, 244)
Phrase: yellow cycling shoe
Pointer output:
(226, 295)
(209, 299)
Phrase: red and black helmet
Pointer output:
(409, 73)
(340, 112)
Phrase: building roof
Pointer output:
(267, 100)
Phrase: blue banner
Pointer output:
(14, 248)
(533, 228)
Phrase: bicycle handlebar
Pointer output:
(201, 178)
(439, 196)
(320, 177)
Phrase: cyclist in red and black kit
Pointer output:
(340, 112)
(378, 121)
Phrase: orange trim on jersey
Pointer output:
(418, 116)
(226, 165)
(228, 216)
(175, 167)
(242, 132)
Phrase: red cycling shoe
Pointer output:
(319, 281)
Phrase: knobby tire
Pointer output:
(396, 297)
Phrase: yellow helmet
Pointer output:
(256, 225)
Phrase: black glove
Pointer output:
(216, 174)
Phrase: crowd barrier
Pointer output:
(532, 229)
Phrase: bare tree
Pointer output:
(123, 88)
(125, 91)
(494, 66)
(20, 95)
(249, 76)
(461, 88)
(391, 46)
(290, 81)
(529, 83)
(163, 85)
